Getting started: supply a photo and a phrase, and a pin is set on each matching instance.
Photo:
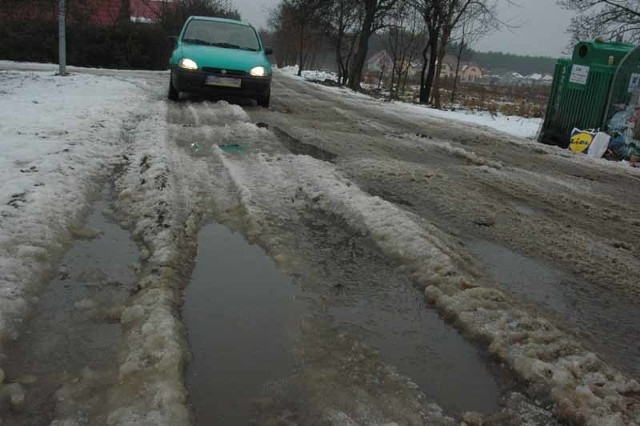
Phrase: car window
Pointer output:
(222, 34)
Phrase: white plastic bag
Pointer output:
(599, 145)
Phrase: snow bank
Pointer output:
(512, 125)
(164, 193)
(152, 366)
(54, 68)
(310, 74)
(59, 137)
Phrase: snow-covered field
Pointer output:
(513, 125)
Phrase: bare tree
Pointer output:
(610, 18)
(470, 31)
(451, 14)
(340, 22)
(429, 10)
(402, 40)
(298, 19)
(373, 14)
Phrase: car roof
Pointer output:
(212, 19)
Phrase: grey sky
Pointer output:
(255, 11)
(541, 25)
(541, 28)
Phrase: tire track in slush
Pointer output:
(550, 363)
(349, 286)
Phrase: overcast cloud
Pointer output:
(541, 25)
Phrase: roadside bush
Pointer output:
(139, 46)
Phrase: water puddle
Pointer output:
(245, 323)
(610, 323)
(298, 147)
(76, 323)
(369, 299)
(241, 313)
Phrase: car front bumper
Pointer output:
(194, 82)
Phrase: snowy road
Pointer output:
(528, 257)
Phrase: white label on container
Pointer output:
(633, 82)
(579, 74)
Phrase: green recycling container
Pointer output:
(581, 90)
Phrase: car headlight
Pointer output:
(188, 64)
(258, 71)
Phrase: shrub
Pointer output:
(139, 46)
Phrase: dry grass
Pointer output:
(519, 100)
(523, 101)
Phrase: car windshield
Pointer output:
(222, 34)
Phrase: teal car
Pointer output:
(222, 58)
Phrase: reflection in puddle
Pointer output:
(243, 317)
(610, 322)
(240, 312)
(422, 346)
(379, 305)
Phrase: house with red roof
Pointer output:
(96, 12)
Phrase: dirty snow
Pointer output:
(59, 137)
(49, 176)
(513, 125)
(584, 388)
(54, 68)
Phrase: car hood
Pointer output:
(220, 57)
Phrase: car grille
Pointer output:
(228, 73)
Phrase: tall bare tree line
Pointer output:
(615, 19)
(412, 28)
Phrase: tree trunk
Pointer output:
(381, 77)
(339, 61)
(357, 66)
(455, 80)
(404, 83)
(424, 95)
(355, 73)
(301, 52)
(433, 59)
(347, 62)
(392, 88)
(442, 51)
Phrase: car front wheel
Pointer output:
(173, 94)
(264, 101)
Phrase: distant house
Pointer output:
(468, 72)
(107, 12)
(537, 79)
(382, 62)
(448, 66)
(512, 78)
(379, 62)
(447, 70)
(96, 12)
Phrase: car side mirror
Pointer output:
(268, 50)
(173, 40)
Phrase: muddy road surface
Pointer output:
(337, 260)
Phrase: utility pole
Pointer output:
(62, 39)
